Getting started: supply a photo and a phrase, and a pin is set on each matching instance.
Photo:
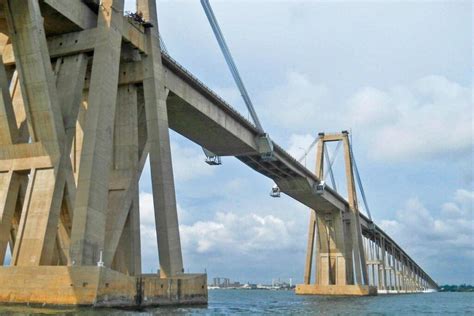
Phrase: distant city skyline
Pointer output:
(397, 74)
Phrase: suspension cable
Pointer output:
(230, 62)
(309, 149)
(162, 45)
(333, 158)
(329, 168)
(359, 182)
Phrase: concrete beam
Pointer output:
(82, 42)
(8, 130)
(75, 11)
(211, 126)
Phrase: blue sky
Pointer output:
(398, 74)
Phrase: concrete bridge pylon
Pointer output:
(340, 262)
(73, 144)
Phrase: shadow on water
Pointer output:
(261, 302)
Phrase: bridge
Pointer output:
(87, 96)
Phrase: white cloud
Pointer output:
(130, 5)
(426, 118)
(299, 145)
(231, 95)
(417, 226)
(435, 117)
(226, 237)
(250, 234)
(296, 103)
(372, 106)
(188, 163)
(446, 239)
(149, 247)
(147, 211)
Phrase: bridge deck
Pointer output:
(199, 114)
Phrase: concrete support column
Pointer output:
(399, 273)
(18, 107)
(370, 259)
(331, 262)
(395, 270)
(164, 197)
(310, 247)
(418, 281)
(394, 273)
(361, 275)
(40, 100)
(123, 225)
(88, 231)
(382, 266)
(374, 263)
(28, 38)
(406, 275)
(10, 181)
(415, 281)
(8, 130)
(390, 271)
(10, 184)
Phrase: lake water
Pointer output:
(258, 302)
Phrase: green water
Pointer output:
(259, 302)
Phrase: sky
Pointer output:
(397, 74)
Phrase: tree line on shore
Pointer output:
(456, 288)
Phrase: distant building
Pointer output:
(223, 283)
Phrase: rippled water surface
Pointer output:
(258, 302)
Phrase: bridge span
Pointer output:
(87, 96)
(292, 177)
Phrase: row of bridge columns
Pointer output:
(390, 270)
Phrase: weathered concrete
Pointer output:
(347, 290)
(353, 255)
(69, 123)
(98, 287)
(182, 289)
(88, 234)
(340, 258)
(164, 196)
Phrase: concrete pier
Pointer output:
(338, 290)
(98, 287)
(353, 256)
(74, 140)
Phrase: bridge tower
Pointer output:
(336, 234)
(76, 127)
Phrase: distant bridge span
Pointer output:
(87, 96)
(293, 178)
